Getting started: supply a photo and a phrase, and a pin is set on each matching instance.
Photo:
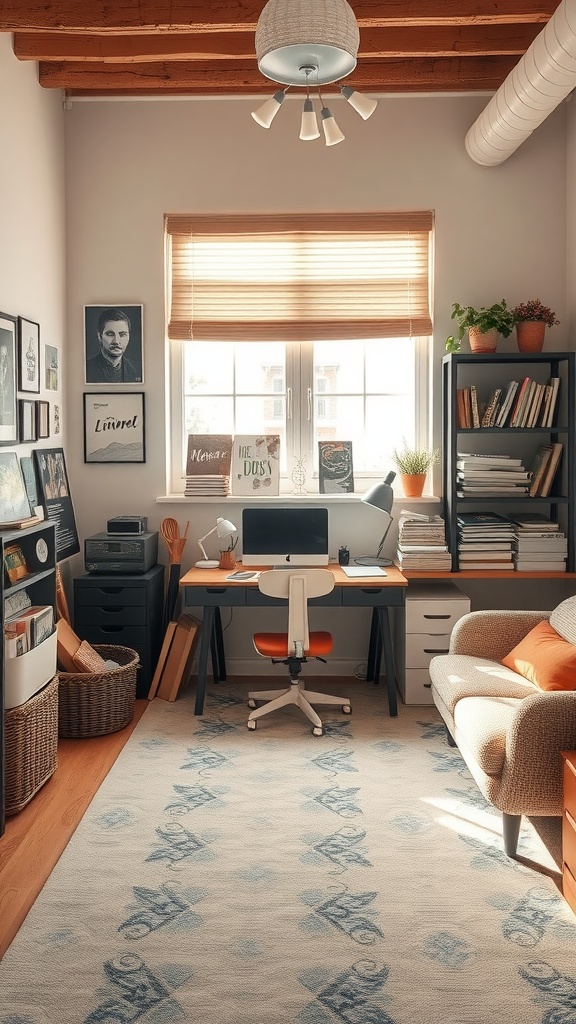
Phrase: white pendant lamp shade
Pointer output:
(267, 112)
(332, 133)
(363, 105)
(309, 125)
(295, 34)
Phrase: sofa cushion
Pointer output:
(483, 723)
(563, 619)
(545, 658)
(455, 676)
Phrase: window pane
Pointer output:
(387, 422)
(208, 416)
(259, 368)
(208, 368)
(390, 366)
(337, 367)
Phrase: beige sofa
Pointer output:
(509, 732)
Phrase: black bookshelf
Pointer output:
(486, 372)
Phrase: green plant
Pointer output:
(534, 312)
(488, 318)
(413, 461)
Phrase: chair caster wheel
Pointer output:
(251, 725)
(252, 704)
(317, 730)
(346, 710)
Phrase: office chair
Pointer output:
(296, 646)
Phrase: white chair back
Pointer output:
(298, 585)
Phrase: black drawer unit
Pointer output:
(125, 610)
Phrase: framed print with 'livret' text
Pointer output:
(114, 427)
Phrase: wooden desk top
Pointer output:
(217, 578)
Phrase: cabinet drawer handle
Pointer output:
(216, 590)
(430, 650)
(112, 611)
(371, 590)
(111, 590)
(436, 616)
(111, 629)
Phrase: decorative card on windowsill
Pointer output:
(256, 464)
(335, 470)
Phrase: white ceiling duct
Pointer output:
(544, 76)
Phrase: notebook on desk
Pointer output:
(363, 570)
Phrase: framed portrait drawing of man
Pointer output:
(114, 344)
(28, 355)
(8, 404)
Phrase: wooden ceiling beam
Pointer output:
(458, 74)
(478, 40)
(169, 16)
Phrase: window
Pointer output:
(293, 345)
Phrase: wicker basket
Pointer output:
(31, 738)
(96, 703)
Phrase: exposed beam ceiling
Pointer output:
(206, 47)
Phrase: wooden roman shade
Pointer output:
(299, 278)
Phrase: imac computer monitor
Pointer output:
(288, 537)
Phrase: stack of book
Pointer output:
(543, 469)
(480, 475)
(485, 541)
(540, 544)
(524, 403)
(208, 465)
(422, 543)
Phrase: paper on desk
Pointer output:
(363, 570)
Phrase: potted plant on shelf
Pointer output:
(531, 319)
(483, 326)
(413, 465)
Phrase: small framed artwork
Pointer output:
(114, 427)
(114, 344)
(8, 406)
(15, 563)
(56, 499)
(14, 504)
(27, 420)
(55, 419)
(42, 419)
(51, 367)
(29, 355)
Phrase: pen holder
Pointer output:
(227, 560)
(343, 556)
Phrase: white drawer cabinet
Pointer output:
(422, 630)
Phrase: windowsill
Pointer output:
(308, 499)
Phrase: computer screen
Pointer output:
(285, 536)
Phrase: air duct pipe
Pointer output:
(544, 76)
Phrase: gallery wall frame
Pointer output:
(27, 420)
(114, 344)
(56, 499)
(114, 425)
(42, 419)
(51, 366)
(28, 355)
(8, 405)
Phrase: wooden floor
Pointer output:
(35, 838)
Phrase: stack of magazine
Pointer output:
(540, 545)
(479, 475)
(485, 541)
(422, 543)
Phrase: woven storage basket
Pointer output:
(31, 738)
(96, 703)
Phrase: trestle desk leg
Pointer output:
(206, 637)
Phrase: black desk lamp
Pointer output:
(380, 496)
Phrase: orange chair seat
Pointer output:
(274, 645)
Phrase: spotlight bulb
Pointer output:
(267, 112)
(362, 104)
(332, 133)
(309, 126)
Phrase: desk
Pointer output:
(210, 590)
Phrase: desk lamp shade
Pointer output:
(224, 528)
(380, 496)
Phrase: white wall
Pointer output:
(32, 217)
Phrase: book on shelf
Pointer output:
(467, 408)
(519, 401)
(470, 460)
(474, 406)
(554, 386)
(21, 524)
(526, 404)
(485, 545)
(536, 406)
(534, 521)
(538, 467)
(494, 566)
(551, 468)
(491, 409)
(506, 403)
(525, 565)
(555, 554)
(484, 519)
(461, 409)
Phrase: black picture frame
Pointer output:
(42, 419)
(8, 402)
(114, 427)
(56, 499)
(28, 355)
(27, 420)
(97, 369)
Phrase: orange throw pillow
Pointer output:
(545, 658)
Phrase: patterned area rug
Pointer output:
(230, 877)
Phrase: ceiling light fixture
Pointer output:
(303, 42)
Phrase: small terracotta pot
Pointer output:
(530, 335)
(413, 484)
(227, 560)
(483, 341)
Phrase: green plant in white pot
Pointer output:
(413, 465)
(483, 326)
